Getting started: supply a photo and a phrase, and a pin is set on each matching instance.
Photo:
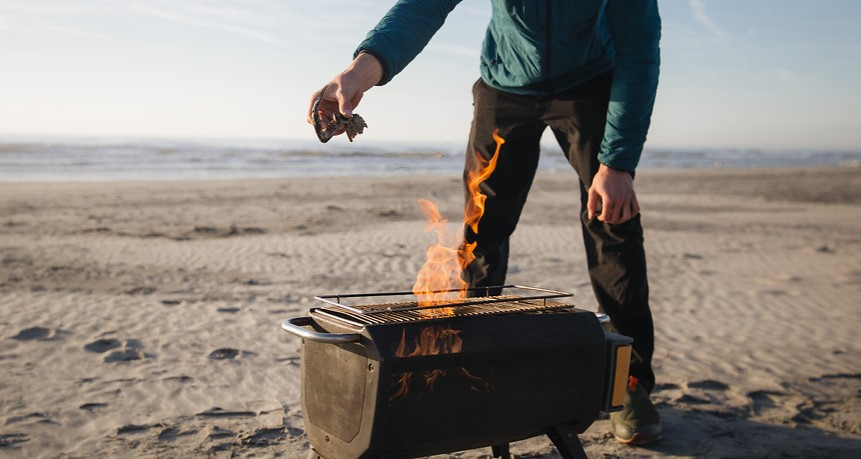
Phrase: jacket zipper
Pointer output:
(548, 47)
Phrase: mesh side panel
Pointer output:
(334, 388)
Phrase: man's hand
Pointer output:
(345, 91)
(614, 190)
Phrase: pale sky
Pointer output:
(735, 73)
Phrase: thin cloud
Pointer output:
(454, 50)
(285, 24)
(698, 8)
(236, 29)
(36, 28)
(72, 32)
(53, 8)
(233, 14)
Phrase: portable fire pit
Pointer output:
(396, 380)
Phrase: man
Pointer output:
(588, 69)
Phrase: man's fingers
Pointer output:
(345, 105)
(616, 213)
(609, 210)
(625, 213)
(355, 102)
(591, 204)
(310, 110)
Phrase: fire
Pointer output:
(474, 209)
(446, 260)
(440, 279)
(441, 272)
(434, 340)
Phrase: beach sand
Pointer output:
(142, 319)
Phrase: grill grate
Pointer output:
(410, 311)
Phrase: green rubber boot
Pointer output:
(639, 422)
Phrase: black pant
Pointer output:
(615, 255)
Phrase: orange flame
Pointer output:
(474, 209)
(434, 340)
(447, 259)
(444, 265)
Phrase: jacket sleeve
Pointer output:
(635, 27)
(403, 33)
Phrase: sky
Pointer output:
(746, 74)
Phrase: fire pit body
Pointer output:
(394, 380)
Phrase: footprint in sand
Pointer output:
(290, 360)
(294, 424)
(770, 403)
(264, 437)
(666, 386)
(709, 384)
(129, 429)
(706, 389)
(32, 333)
(132, 350)
(224, 353)
(710, 397)
(35, 418)
(833, 402)
(125, 355)
(217, 412)
(39, 334)
(91, 407)
(217, 433)
(141, 290)
(688, 399)
(228, 353)
(172, 433)
(11, 440)
(102, 345)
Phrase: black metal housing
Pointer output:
(515, 377)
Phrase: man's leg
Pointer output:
(614, 253)
(515, 118)
(617, 269)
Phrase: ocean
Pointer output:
(93, 159)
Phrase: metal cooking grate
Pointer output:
(409, 311)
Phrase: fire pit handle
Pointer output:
(297, 326)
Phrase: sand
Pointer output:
(142, 319)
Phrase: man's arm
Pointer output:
(635, 27)
(396, 40)
(404, 32)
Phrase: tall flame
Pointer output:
(447, 259)
(474, 209)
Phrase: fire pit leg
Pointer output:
(567, 442)
(501, 451)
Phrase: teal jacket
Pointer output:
(544, 47)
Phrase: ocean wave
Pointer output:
(110, 159)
